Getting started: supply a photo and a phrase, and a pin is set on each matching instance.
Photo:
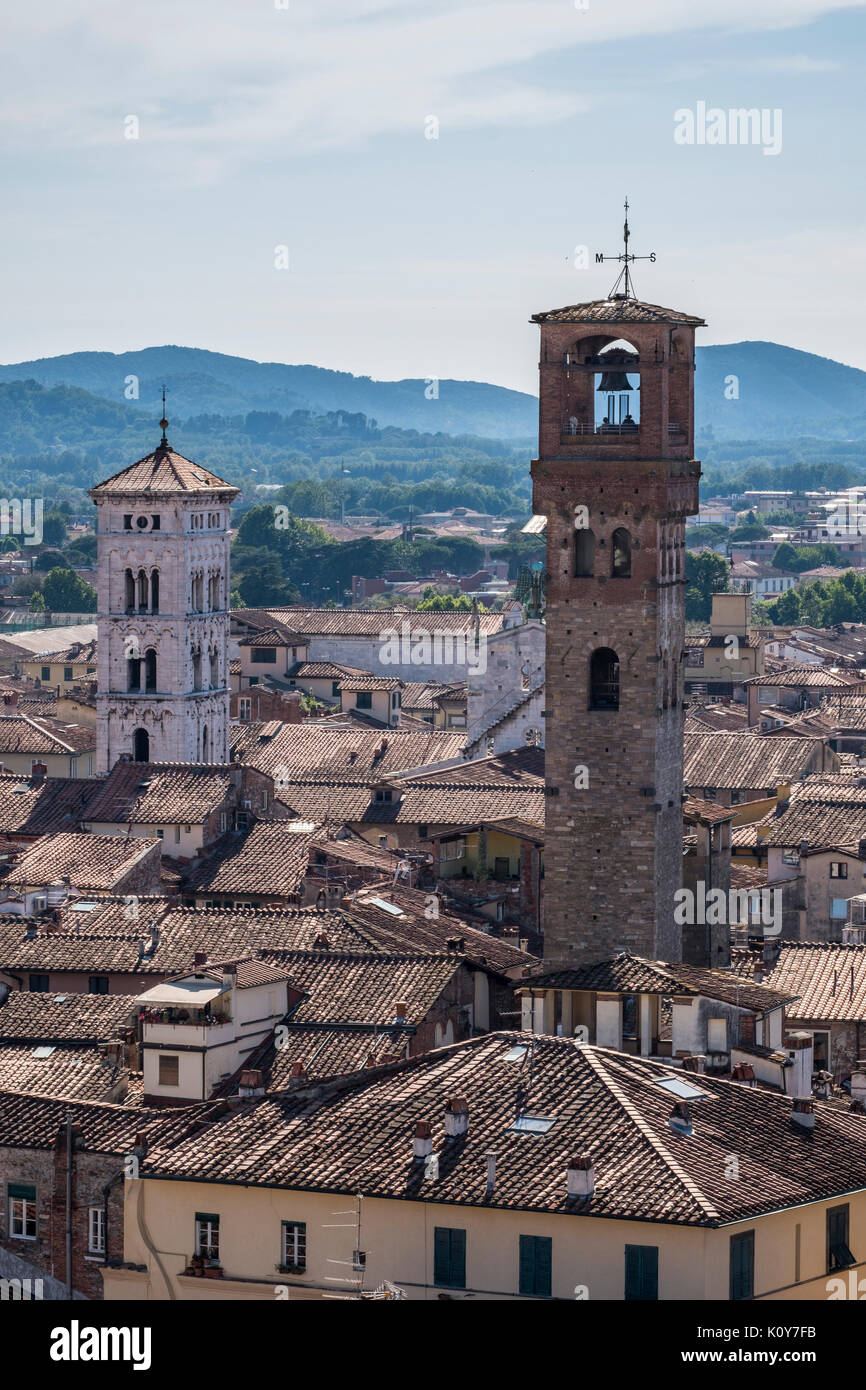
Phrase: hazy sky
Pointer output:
(305, 125)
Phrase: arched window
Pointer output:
(196, 670)
(142, 591)
(584, 554)
(150, 669)
(621, 554)
(133, 673)
(130, 591)
(141, 746)
(214, 670)
(154, 592)
(204, 757)
(604, 679)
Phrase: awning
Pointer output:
(182, 993)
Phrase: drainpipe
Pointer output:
(106, 1193)
(69, 1207)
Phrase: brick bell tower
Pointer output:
(616, 478)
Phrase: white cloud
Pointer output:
(239, 79)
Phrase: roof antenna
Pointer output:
(163, 424)
(625, 257)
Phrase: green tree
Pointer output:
(53, 529)
(706, 574)
(64, 592)
(37, 602)
(50, 559)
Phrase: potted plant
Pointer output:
(213, 1270)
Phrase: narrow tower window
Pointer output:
(204, 757)
(142, 591)
(604, 679)
(141, 746)
(214, 669)
(130, 591)
(133, 673)
(154, 592)
(621, 554)
(150, 669)
(196, 670)
(584, 554)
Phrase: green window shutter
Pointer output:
(535, 1266)
(641, 1272)
(449, 1257)
(743, 1265)
(25, 1190)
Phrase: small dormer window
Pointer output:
(384, 794)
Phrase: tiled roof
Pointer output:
(415, 930)
(628, 974)
(422, 803)
(270, 637)
(270, 859)
(81, 1073)
(159, 472)
(828, 979)
(744, 760)
(355, 683)
(329, 1051)
(316, 753)
(80, 652)
(422, 694)
(828, 824)
(65, 1018)
(161, 793)
(364, 987)
(34, 1122)
(614, 311)
(31, 807)
(698, 811)
(376, 622)
(602, 1103)
(809, 675)
(746, 876)
(727, 719)
(25, 733)
(846, 711)
(92, 863)
(323, 670)
(115, 944)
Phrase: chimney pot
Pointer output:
(401, 1011)
(37, 772)
(803, 1113)
(456, 1117)
(299, 1070)
(580, 1176)
(422, 1142)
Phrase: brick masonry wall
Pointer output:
(613, 849)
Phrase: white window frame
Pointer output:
(294, 1243)
(22, 1213)
(96, 1231)
(205, 1231)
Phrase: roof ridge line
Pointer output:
(648, 1133)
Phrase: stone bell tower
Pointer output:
(616, 479)
(163, 558)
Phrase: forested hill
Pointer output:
(744, 391)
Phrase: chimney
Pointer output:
(456, 1117)
(803, 1113)
(252, 1083)
(491, 1172)
(422, 1142)
(200, 958)
(401, 1011)
(798, 1077)
(858, 1082)
(455, 944)
(580, 1176)
(524, 943)
(680, 1118)
(299, 1070)
(37, 773)
(10, 698)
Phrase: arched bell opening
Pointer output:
(141, 746)
(604, 679)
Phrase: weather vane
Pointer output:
(163, 424)
(625, 258)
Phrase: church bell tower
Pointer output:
(616, 479)
(163, 586)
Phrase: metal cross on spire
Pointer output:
(163, 424)
(625, 258)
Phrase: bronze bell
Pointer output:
(611, 382)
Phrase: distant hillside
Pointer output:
(782, 393)
(210, 383)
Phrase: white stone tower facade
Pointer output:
(163, 557)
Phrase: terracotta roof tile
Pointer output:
(92, 863)
(615, 311)
(160, 472)
(745, 761)
(829, 979)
